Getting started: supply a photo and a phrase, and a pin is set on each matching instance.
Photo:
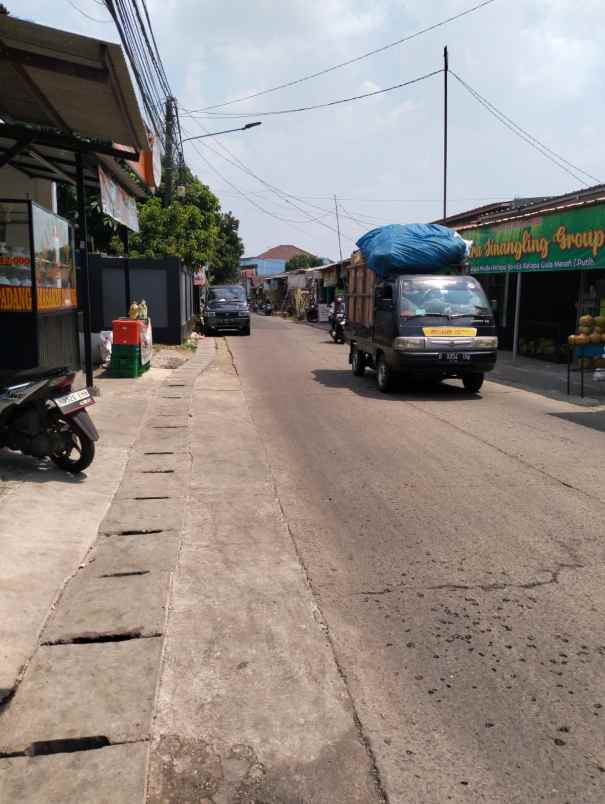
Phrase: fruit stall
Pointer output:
(588, 346)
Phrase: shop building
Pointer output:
(542, 265)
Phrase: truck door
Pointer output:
(384, 308)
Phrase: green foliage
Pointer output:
(102, 229)
(192, 228)
(303, 261)
(188, 228)
(224, 265)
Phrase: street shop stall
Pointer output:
(542, 270)
(70, 101)
(38, 296)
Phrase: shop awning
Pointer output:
(63, 94)
(68, 82)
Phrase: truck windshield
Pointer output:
(442, 295)
(228, 293)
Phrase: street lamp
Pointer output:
(228, 131)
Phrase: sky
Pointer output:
(537, 61)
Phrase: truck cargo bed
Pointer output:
(360, 293)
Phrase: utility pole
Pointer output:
(338, 227)
(445, 72)
(169, 157)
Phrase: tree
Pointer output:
(224, 265)
(303, 261)
(192, 227)
(188, 228)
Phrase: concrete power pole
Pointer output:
(338, 227)
(169, 157)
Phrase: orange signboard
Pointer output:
(19, 300)
(149, 165)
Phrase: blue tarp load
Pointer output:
(415, 247)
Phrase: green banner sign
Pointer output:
(567, 241)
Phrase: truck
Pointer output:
(431, 325)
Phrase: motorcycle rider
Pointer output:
(337, 306)
(337, 310)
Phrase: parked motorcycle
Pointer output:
(312, 313)
(43, 417)
(337, 327)
(267, 308)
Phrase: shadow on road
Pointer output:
(15, 466)
(405, 388)
(596, 420)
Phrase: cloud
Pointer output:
(538, 60)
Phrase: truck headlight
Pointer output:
(243, 314)
(490, 342)
(410, 344)
(210, 314)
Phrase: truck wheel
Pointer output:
(472, 382)
(384, 375)
(358, 363)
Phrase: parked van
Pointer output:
(226, 309)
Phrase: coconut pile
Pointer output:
(591, 330)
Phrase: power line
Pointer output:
(242, 194)
(325, 105)
(234, 160)
(138, 40)
(281, 194)
(553, 156)
(84, 14)
(382, 200)
(363, 56)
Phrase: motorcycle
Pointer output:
(312, 313)
(337, 327)
(267, 308)
(44, 418)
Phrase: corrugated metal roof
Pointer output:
(67, 82)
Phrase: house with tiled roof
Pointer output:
(272, 261)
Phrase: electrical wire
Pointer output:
(322, 105)
(358, 200)
(363, 56)
(281, 195)
(243, 195)
(84, 14)
(138, 40)
(553, 156)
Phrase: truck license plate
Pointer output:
(455, 357)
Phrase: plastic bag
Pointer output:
(105, 345)
(416, 247)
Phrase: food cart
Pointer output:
(38, 299)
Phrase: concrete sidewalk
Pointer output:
(81, 628)
(49, 519)
(547, 379)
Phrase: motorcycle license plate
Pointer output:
(455, 357)
(74, 401)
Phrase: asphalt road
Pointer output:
(454, 545)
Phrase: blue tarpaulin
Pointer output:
(416, 247)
